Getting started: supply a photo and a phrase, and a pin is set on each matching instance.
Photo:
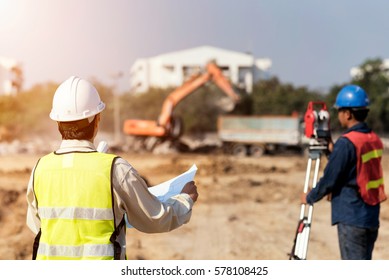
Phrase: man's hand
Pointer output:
(330, 145)
(303, 196)
(191, 189)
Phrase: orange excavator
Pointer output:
(167, 126)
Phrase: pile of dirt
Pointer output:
(16, 242)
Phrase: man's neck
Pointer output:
(351, 123)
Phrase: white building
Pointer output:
(172, 69)
(11, 76)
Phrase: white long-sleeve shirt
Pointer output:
(131, 196)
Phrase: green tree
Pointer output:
(373, 77)
(200, 110)
(271, 97)
(28, 112)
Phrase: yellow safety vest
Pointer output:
(75, 206)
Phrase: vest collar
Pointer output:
(360, 127)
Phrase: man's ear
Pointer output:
(97, 119)
(349, 115)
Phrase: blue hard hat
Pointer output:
(352, 96)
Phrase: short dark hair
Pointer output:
(77, 130)
(360, 114)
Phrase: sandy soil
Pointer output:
(247, 209)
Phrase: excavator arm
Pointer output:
(162, 127)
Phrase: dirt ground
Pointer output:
(247, 209)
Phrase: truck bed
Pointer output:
(283, 130)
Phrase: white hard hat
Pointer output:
(75, 99)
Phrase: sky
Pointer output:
(311, 43)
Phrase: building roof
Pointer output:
(203, 54)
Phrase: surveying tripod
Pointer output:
(316, 128)
(300, 246)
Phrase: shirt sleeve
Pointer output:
(32, 218)
(144, 211)
(336, 170)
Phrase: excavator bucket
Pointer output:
(226, 104)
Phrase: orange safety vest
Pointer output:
(370, 178)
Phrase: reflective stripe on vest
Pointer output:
(87, 251)
(370, 180)
(370, 155)
(74, 198)
(75, 213)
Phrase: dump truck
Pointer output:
(257, 135)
